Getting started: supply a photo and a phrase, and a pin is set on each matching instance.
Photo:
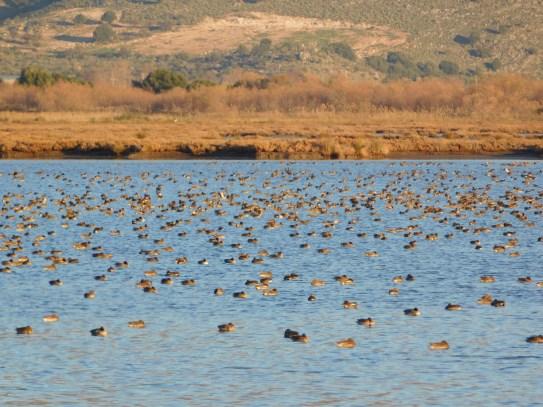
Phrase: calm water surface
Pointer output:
(181, 359)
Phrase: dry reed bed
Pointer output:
(295, 117)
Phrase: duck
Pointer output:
(394, 292)
(24, 330)
(486, 299)
(443, 345)
(312, 297)
(397, 279)
(139, 324)
(99, 331)
(348, 343)
(488, 279)
(189, 282)
(295, 336)
(150, 290)
(50, 318)
(412, 312)
(453, 307)
(218, 292)
(350, 304)
(318, 282)
(229, 327)
(56, 283)
(241, 294)
(344, 280)
(498, 303)
(90, 295)
(291, 277)
(367, 322)
(535, 339)
(270, 292)
(525, 280)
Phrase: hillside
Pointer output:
(217, 38)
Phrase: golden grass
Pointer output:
(304, 119)
(262, 135)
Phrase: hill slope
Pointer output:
(213, 38)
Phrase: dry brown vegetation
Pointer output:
(293, 117)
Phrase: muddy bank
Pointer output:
(265, 136)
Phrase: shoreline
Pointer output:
(266, 136)
(177, 156)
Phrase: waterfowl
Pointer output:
(150, 290)
(525, 280)
(318, 283)
(144, 283)
(368, 322)
(498, 303)
(139, 324)
(189, 282)
(486, 299)
(291, 277)
(397, 279)
(90, 295)
(535, 339)
(412, 312)
(229, 327)
(295, 336)
(218, 292)
(102, 277)
(56, 283)
(443, 345)
(24, 330)
(270, 292)
(394, 292)
(410, 277)
(350, 304)
(166, 281)
(99, 331)
(50, 318)
(348, 343)
(312, 298)
(488, 279)
(453, 307)
(240, 294)
(344, 280)
(203, 262)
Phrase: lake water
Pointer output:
(181, 359)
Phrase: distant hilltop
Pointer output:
(214, 39)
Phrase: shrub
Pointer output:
(449, 68)
(342, 49)
(109, 17)
(162, 80)
(378, 63)
(493, 65)
(36, 76)
(104, 33)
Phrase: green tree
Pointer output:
(104, 33)
(109, 17)
(35, 76)
(161, 80)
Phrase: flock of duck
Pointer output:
(282, 198)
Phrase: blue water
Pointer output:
(180, 358)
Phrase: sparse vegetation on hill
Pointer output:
(216, 37)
